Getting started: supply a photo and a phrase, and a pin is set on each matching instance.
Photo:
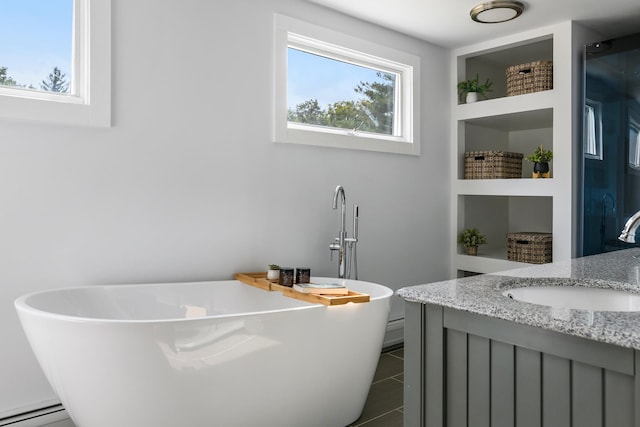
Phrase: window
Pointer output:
(57, 69)
(337, 91)
(634, 144)
(592, 139)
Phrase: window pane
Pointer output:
(327, 92)
(37, 52)
(592, 133)
(634, 147)
(590, 130)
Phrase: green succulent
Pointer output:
(474, 85)
(471, 237)
(540, 155)
(273, 266)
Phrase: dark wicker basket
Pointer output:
(534, 248)
(492, 165)
(530, 77)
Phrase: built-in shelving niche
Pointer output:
(493, 63)
(495, 216)
(517, 123)
(518, 132)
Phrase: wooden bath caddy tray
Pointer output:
(259, 280)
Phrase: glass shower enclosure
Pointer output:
(611, 142)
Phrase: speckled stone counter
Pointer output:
(483, 295)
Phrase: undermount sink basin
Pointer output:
(576, 297)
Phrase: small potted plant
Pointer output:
(468, 90)
(273, 273)
(540, 159)
(471, 238)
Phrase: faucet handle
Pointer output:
(333, 247)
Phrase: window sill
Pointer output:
(353, 142)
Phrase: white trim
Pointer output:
(292, 32)
(55, 416)
(79, 80)
(89, 103)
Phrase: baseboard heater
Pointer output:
(395, 333)
(54, 415)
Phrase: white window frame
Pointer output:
(88, 102)
(290, 32)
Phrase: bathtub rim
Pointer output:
(21, 305)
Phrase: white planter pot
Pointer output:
(472, 97)
(273, 274)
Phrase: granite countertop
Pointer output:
(483, 295)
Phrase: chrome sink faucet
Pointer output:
(344, 245)
(628, 233)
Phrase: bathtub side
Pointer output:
(309, 367)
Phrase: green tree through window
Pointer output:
(372, 113)
(5, 79)
(378, 102)
(56, 82)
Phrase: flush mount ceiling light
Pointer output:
(494, 12)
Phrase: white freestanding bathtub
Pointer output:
(205, 354)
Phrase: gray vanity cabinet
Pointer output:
(465, 369)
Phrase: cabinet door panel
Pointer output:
(556, 391)
(479, 381)
(618, 390)
(456, 379)
(528, 388)
(586, 386)
(502, 384)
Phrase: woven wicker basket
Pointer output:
(534, 248)
(530, 77)
(492, 165)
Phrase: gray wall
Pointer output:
(187, 185)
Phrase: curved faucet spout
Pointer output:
(341, 245)
(628, 234)
(343, 206)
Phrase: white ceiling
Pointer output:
(447, 22)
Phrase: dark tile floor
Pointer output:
(384, 403)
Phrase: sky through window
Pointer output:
(329, 81)
(37, 37)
